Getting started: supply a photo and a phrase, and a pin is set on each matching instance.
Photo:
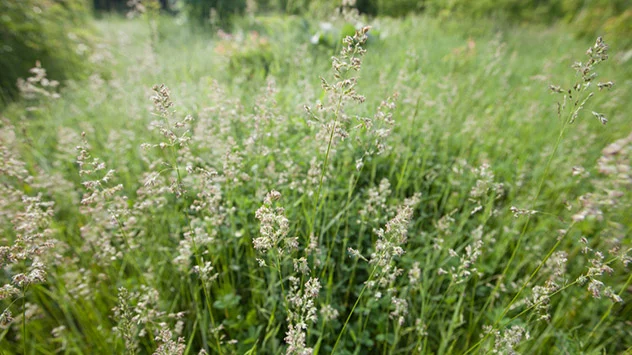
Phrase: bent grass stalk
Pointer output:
(198, 258)
(24, 335)
(597, 53)
(518, 244)
(317, 204)
(344, 326)
(567, 121)
(352, 54)
(607, 313)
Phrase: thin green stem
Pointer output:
(344, 326)
(198, 258)
(324, 168)
(605, 315)
(522, 287)
(395, 339)
(520, 239)
(24, 335)
(278, 268)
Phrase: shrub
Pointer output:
(52, 32)
(394, 8)
(249, 54)
(217, 12)
(611, 18)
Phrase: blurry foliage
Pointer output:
(394, 8)
(611, 21)
(217, 12)
(250, 54)
(110, 5)
(588, 18)
(53, 32)
(331, 35)
(123, 5)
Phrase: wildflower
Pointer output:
(328, 312)
(134, 310)
(414, 274)
(509, 339)
(600, 117)
(300, 266)
(606, 85)
(301, 311)
(485, 183)
(389, 245)
(123, 314)
(38, 85)
(400, 310)
(595, 287)
(167, 345)
(596, 54)
(556, 89)
(206, 272)
(464, 270)
(106, 208)
(274, 226)
(517, 212)
(6, 318)
(376, 200)
(341, 91)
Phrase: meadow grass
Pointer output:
(241, 194)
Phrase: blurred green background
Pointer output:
(58, 33)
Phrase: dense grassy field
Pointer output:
(213, 194)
